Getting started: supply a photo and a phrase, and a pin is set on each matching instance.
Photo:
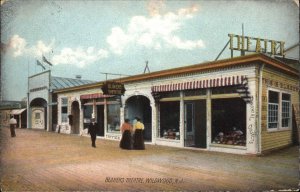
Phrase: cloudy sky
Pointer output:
(89, 38)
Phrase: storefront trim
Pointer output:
(191, 98)
(224, 96)
(228, 146)
(95, 96)
(170, 99)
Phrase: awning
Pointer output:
(95, 96)
(17, 111)
(199, 84)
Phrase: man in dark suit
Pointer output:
(92, 131)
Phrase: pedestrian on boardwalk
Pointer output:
(138, 134)
(12, 124)
(126, 130)
(92, 130)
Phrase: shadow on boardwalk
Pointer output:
(45, 161)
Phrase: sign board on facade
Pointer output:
(251, 44)
(113, 88)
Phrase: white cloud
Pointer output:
(17, 45)
(157, 31)
(118, 40)
(41, 48)
(79, 56)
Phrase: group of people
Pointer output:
(132, 136)
(135, 132)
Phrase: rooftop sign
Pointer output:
(251, 44)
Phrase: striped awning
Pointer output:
(95, 96)
(200, 84)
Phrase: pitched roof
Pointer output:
(61, 82)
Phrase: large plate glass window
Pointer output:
(113, 117)
(169, 120)
(229, 121)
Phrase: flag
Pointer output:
(46, 61)
(40, 64)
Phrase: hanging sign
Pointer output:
(251, 44)
(113, 88)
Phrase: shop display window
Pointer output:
(87, 113)
(169, 120)
(113, 118)
(229, 121)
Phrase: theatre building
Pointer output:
(244, 105)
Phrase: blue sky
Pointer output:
(88, 38)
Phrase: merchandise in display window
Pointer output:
(113, 118)
(169, 120)
(87, 113)
(229, 121)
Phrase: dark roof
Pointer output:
(11, 105)
(61, 82)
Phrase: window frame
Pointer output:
(280, 127)
(64, 119)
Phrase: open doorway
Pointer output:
(100, 120)
(139, 106)
(38, 110)
(74, 118)
(195, 124)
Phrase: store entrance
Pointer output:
(100, 120)
(139, 106)
(74, 118)
(195, 124)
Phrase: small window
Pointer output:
(37, 115)
(285, 114)
(279, 110)
(273, 109)
(64, 110)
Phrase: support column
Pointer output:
(208, 118)
(154, 122)
(181, 120)
(251, 120)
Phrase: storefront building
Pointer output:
(42, 102)
(242, 105)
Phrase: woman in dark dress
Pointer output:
(138, 135)
(126, 129)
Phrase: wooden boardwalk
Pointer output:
(44, 161)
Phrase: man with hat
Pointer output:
(93, 130)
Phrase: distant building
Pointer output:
(42, 102)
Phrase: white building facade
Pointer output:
(212, 106)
